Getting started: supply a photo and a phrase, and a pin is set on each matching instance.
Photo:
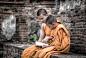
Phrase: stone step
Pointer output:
(21, 47)
(68, 55)
(12, 2)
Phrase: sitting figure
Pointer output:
(46, 36)
(58, 45)
(61, 40)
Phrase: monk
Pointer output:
(58, 45)
(61, 40)
(45, 35)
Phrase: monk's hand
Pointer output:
(52, 44)
(45, 40)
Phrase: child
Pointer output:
(44, 31)
(61, 40)
(45, 35)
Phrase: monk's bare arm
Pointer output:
(45, 40)
(48, 37)
(42, 33)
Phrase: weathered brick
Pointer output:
(84, 33)
(84, 36)
(73, 38)
(77, 23)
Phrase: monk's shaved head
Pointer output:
(50, 19)
(41, 11)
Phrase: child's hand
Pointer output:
(44, 41)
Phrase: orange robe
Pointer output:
(61, 42)
(31, 51)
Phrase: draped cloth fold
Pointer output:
(61, 42)
(32, 52)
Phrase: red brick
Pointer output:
(48, 3)
(22, 30)
(84, 42)
(78, 42)
(78, 38)
(24, 36)
(23, 33)
(24, 40)
(79, 26)
(68, 55)
(72, 41)
(73, 38)
(77, 32)
(84, 36)
(82, 39)
(84, 46)
(28, 5)
(80, 23)
(78, 29)
(84, 33)
(75, 35)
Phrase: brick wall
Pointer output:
(16, 8)
(78, 28)
(25, 13)
(75, 22)
(13, 50)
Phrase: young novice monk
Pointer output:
(45, 31)
(61, 40)
(45, 34)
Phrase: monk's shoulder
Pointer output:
(43, 25)
(62, 28)
(59, 27)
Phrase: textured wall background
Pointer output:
(74, 21)
(25, 12)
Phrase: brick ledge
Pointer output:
(68, 55)
(21, 46)
(24, 46)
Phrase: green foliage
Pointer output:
(29, 40)
(32, 39)
(35, 38)
(17, 42)
(1, 52)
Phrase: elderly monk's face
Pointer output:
(42, 18)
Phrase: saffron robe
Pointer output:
(31, 51)
(61, 43)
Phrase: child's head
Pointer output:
(42, 15)
(51, 22)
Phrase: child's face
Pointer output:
(42, 18)
(51, 26)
